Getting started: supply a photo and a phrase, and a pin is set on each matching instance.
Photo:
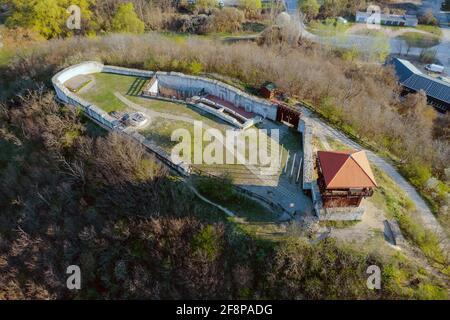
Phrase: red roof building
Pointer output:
(345, 178)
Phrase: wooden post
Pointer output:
(281, 156)
(287, 161)
(293, 164)
(299, 168)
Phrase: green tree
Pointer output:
(207, 242)
(250, 5)
(333, 8)
(379, 49)
(195, 67)
(47, 17)
(203, 4)
(310, 8)
(126, 20)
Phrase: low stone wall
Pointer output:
(340, 214)
(308, 157)
(218, 114)
(100, 116)
(193, 86)
(71, 98)
(128, 71)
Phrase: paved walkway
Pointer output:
(426, 215)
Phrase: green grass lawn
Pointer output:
(329, 27)
(336, 145)
(5, 56)
(251, 217)
(397, 205)
(102, 93)
(420, 40)
(431, 29)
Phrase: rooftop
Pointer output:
(384, 16)
(346, 169)
(412, 78)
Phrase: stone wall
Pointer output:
(193, 85)
(190, 84)
(340, 214)
(308, 157)
(100, 116)
(71, 98)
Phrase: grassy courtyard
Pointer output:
(165, 118)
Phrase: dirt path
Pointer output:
(425, 213)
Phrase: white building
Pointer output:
(151, 88)
(386, 19)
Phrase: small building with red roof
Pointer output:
(344, 178)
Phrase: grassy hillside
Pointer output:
(73, 194)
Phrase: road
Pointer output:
(367, 44)
(443, 49)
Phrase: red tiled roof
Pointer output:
(346, 169)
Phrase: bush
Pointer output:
(197, 24)
(428, 18)
(226, 20)
(207, 242)
(417, 172)
(195, 67)
(252, 8)
(428, 56)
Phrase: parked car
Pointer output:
(435, 68)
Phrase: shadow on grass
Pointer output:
(136, 87)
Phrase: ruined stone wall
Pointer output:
(308, 157)
(193, 85)
(71, 98)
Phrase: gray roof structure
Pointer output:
(412, 78)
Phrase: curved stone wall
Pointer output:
(192, 85)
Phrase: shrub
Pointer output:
(252, 8)
(207, 242)
(226, 20)
(418, 172)
(428, 56)
(428, 18)
(195, 67)
(126, 20)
